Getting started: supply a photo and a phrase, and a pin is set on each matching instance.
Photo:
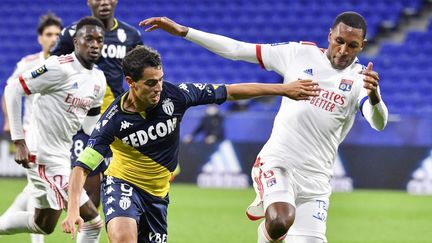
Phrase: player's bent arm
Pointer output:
(297, 90)
(13, 94)
(376, 115)
(5, 115)
(90, 120)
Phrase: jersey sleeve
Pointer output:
(19, 69)
(138, 39)
(276, 57)
(99, 142)
(42, 79)
(202, 94)
(64, 44)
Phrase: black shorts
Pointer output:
(123, 199)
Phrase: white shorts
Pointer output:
(49, 186)
(274, 182)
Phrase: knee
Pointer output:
(46, 228)
(278, 224)
(278, 227)
(119, 236)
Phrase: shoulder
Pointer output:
(129, 29)
(126, 26)
(30, 61)
(31, 58)
(69, 30)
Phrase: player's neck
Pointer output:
(46, 54)
(133, 104)
(109, 23)
(84, 63)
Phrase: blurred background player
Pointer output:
(145, 151)
(211, 126)
(292, 172)
(71, 93)
(48, 30)
(120, 38)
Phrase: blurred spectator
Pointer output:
(211, 126)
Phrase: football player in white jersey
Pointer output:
(71, 91)
(48, 30)
(292, 172)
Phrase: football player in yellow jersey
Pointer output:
(142, 129)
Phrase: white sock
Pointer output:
(18, 222)
(37, 238)
(90, 231)
(19, 204)
(263, 236)
(303, 239)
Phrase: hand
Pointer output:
(6, 128)
(68, 224)
(302, 89)
(22, 153)
(165, 24)
(370, 83)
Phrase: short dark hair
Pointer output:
(138, 59)
(89, 20)
(47, 20)
(351, 19)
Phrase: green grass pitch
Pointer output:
(215, 215)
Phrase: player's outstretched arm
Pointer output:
(221, 45)
(76, 184)
(297, 90)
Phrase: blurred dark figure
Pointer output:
(211, 126)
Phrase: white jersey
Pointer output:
(25, 64)
(306, 134)
(67, 92)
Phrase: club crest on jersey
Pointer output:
(121, 35)
(96, 90)
(124, 202)
(39, 71)
(168, 106)
(346, 85)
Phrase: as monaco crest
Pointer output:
(168, 106)
(124, 202)
(121, 35)
(346, 85)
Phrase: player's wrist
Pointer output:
(19, 142)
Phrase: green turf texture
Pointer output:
(216, 215)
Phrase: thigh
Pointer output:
(48, 187)
(122, 229)
(92, 186)
(311, 217)
(120, 199)
(272, 182)
(152, 227)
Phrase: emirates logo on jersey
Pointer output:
(328, 100)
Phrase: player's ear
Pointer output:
(130, 82)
